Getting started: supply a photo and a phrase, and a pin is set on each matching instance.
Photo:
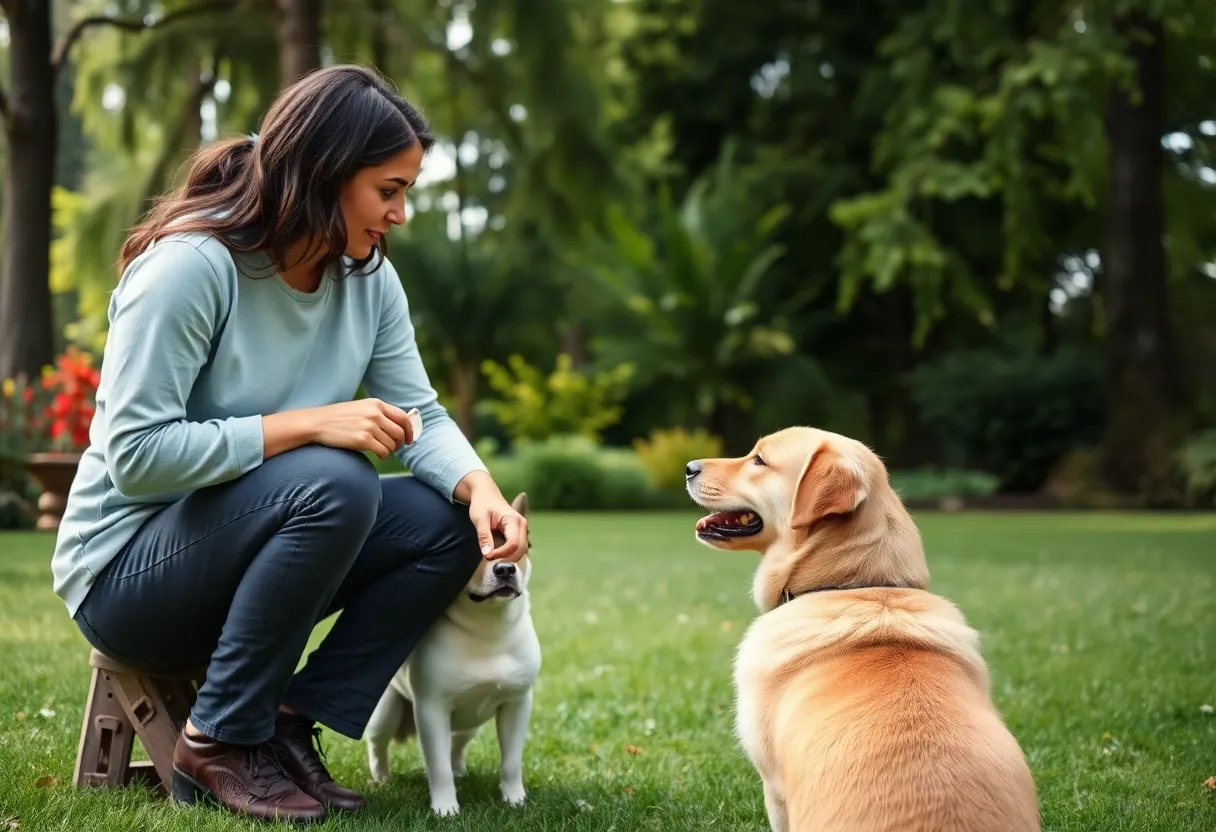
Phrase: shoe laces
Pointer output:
(315, 741)
(309, 737)
(263, 767)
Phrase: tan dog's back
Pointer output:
(889, 729)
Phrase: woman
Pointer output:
(224, 506)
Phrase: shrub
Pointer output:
(535, 406)
(666, 451)
(572, 473)
(1197, 461)
(938, 484)
(1014, 415)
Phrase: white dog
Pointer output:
(479, 660)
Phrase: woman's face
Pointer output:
(374, 200)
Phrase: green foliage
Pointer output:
(566, 401)
(932, 484)
(990, 106)
(689, 294)
(470, 300)
(572, 473)
(666, 451)
(1013, 415)
(90, 226)
(1197, 459)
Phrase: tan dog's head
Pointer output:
(818, 505)
(495, 581)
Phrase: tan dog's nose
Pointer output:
(692, 469)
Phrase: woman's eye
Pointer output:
(388, 193)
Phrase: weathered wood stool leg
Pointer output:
(153, 707)
(104, 754)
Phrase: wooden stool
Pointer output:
(123, 704)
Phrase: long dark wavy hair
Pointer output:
(268, 193)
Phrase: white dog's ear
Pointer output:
(830, 483)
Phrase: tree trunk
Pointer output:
(464, 390)
(379, 35)
(26, 337)
(574, 344)
(1139, 385)
(298, 32)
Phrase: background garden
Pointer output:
(980, 237)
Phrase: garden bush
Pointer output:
(535, 405)
(1014, 415)
(932, 484)
(666, 451)
(573, 473)
(1197, 461)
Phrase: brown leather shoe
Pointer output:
(292, 745)
(245, 779)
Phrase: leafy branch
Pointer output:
(69, 38)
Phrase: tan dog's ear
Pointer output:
(520, 503)
(830, 483)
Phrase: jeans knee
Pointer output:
(461, 551)
(344, 480)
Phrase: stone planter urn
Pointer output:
(54, 472)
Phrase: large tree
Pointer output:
(30, 123)
(30, 130)
(298, 33)
(1141, 394)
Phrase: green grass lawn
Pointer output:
(1098, 629)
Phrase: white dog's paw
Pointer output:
(379, 767)
(459, 769)
(445, 807)
(513, 793)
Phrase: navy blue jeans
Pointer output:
(236, 576)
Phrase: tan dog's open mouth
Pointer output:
(729, 524)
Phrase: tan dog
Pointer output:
(862, 698)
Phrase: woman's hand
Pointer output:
(363, 425)
(490, 512)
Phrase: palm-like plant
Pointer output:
(688, 294)
(468, 303)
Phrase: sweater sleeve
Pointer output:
(168, 307)
(395, 374)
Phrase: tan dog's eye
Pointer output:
(758, 460)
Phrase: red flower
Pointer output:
(65, 411)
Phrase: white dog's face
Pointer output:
(498, 582)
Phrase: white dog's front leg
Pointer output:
(512, 723)
(380, 731)
(774, 804)
(434, 721)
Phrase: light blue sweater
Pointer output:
(202, 343)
